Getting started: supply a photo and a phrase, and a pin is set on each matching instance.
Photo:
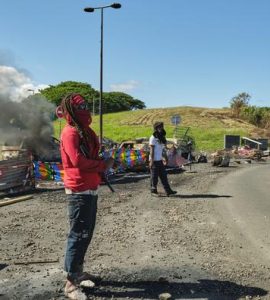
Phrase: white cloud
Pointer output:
(15, 85)
(124, 87)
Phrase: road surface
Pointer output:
(208, 242)
(247, 211)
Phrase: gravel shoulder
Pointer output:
(143, 246)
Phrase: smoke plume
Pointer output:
(25, 116)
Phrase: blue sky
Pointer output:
(165, 53)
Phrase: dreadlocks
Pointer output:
(68, 108)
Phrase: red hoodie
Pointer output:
(81, 173)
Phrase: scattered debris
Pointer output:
(16, 171)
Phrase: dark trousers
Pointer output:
(82, 210)
(158, 171)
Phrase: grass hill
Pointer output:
(207, 126)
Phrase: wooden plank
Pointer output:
(15, 200)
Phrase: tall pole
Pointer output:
(101, 82)
(90, 10)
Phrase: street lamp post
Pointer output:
(92, 9)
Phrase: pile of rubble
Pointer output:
(222, 157)
(16, 170)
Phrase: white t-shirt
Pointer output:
(158, 148)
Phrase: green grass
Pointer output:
(207, 126)
(213, 139)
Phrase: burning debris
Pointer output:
(26, 130)
(24, 120)
(25, 133)
(26, 124)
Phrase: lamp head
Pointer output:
(89, 9)
(116, 5)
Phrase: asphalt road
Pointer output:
(204, 243)
(247, 212)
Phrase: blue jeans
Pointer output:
(82, 210)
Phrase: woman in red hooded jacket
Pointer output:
(82, 167)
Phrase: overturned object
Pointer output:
(202, 158)
(221, 159)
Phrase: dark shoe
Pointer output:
(85, 276)
(171, 192)
(154, 192)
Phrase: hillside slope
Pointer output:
(207, 126)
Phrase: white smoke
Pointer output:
(15, 85)
(25, 115)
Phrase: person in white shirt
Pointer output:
(157, 143)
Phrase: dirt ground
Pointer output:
(143, 245)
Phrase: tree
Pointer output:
(258, 116)
(56, 93)
(118, 101)
(239, 102)
(113, 101)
